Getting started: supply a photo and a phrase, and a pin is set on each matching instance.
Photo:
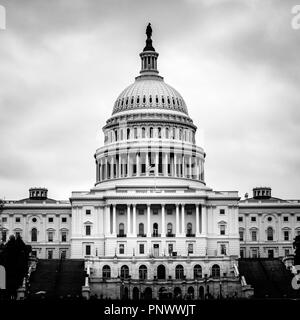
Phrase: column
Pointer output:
(177, 220)
(100, 173)
(156, 164)
(134, 220)
(163, 232)
(182, 221)
(204, 219)
(112, 167)
(148, 221)
(197, 170)
(137, 164)
(128, 165)
(128, 220)
(119, 166)
(106, 168)
(114, 220)
(166, 165)
(107, 220)
(175, 166)
(197, 220)
(147, 163)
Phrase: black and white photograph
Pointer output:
(150, 157)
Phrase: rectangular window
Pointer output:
(141, 212)
(254, 253)
(18, 219)
(222, 211)
(240, 219)
(63, 237)
(50, 236)
(4, 236)
(142, 248)
(242, 253)
(170, 248)
(254, 236)
(286, 252)
(87, 250)
(121, 213)
(285, 219)
(50, 254)
(63, 219)
(222, 229)
(253, 219)
(298, 218)
(50, 220)
(155, 211)
(241, 236)
(223, 249)
(189, 212)
(286, 236)
(4, 219)
(88, 211)
(169, 211)
(190, 248)
(121, 248)
(87, 230)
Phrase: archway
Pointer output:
(148, 293)
(201, 293)
(177, 293)
(162, 293)
(161, 272)
(190, 293)
(135, 293)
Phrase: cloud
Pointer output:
(64, 63)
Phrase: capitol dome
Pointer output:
(150, 92)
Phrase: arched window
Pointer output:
(215, 271)
(121, 229)
(151, 132)
(116, 135)
(135, 133)
(174, 133)
(141, 229)
(167, 133)
(161, 272)
(189, 229)
(169, 229)
(124, 272)
(270, 234)
(33, 234)
(143, 133)
(142, 272)
(159, 132)
(128, 133)
(155, 229)
(197, 271)
(106, 272)
(179, 272)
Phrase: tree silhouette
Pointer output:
(296, 246)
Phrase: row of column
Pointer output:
(140, 164)
(111, 220)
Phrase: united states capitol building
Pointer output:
(150, 225)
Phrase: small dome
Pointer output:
(149, 92)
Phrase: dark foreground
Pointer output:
(111, 309)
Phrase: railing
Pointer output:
(155, 234)
(170, 235)
(121, 235)
(190, 234)
(141, 235)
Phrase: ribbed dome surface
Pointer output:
(149, 93)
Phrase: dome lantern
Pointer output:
(149, 55)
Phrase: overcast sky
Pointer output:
(63, 64)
